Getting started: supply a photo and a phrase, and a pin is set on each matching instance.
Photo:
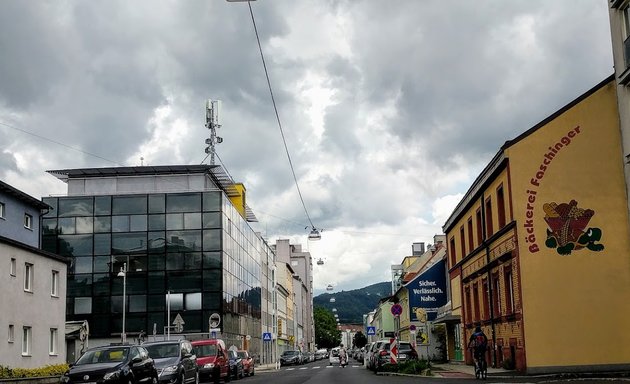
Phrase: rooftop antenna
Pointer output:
(213, 111)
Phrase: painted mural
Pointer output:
(567, 228)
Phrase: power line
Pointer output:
(275, 108)
(59, 143)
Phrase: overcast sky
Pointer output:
(390, 109)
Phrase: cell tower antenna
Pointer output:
(213, 112)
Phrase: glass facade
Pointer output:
(194, 245)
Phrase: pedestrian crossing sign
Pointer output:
(371, 331)
(266, 336)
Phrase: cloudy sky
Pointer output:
(390, 109)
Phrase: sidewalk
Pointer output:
(460, 370)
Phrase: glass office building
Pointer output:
(180, 236)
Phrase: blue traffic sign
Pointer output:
(371, 331)
(266, 336)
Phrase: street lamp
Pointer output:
(123, 274)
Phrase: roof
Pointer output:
(220, 177)
(26, 247)
(28, 199)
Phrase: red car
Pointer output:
(248, 362)
(212, 360)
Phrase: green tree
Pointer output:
(359, 340)
(326, 333)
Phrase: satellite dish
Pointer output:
(320, 262)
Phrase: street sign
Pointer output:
(214, 320)
(371, 331)
(266, 336)
(397, 310)
(412, 327)
(178, 323)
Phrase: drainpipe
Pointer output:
(484, 231)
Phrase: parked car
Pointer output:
(334, 356)
(405, 352)
(236, 364)
(321, 354)
(113, 364)
(212, 360)
(371, 362)
(291, 358)
(248, 362)
(174, 360)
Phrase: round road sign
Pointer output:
(397, 310)
(215, 320)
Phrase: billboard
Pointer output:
(427, 293)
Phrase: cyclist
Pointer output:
(479, 343)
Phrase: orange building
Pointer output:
(539, 247)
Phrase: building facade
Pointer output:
(33, 283)
(181, 237)
(539, 244)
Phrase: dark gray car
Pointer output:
(174, 360)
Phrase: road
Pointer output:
(320, 372)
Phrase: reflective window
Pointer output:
(138, 223)
(212, 239)
(73, 245)
(157, 203)
(101, 304)
(52, 202)
(120, 223)
(157, 222)
(192, 220)
(128, 242)
(183, 281)
(102, 264)
(212, 220)
(101, 284)
(79, 285)
(66, 226)
(82, 264)
(212, 201)
(212, 280)
(82, 305)
(156, 282)
(76, 207)
(156, 242)
(103, 224)
(137, 303)
(183, 203)
(156, 262)
(126, 205)
(183, 241)
(102, 244)
(84, 225)
(49, 226)
(174, 221)
(212, 260)
(176, 301)
(193, 301)
(156, 302)
(102, 205)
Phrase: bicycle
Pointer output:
(481, 366)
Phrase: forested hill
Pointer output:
(352, 305)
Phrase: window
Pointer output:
(52, 343)
(452, 252)
(509, 290)
(28, 221)
(1, 210)
(12, 267)
(479, 227)
(496, 295)
(489, 229)
(468, 314)
(501, 206)
(626, 32)
(28, 277)
(26, 341)
(11, 337)
(462, 241)
(476, 303)
(471, 244)
(54, 284)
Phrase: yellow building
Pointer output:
(539, 244)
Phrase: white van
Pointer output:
(333, 357)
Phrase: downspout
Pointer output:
(491, 304)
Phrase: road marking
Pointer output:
(303, 368)
(329, 366)
(316, 367)
(290, 369)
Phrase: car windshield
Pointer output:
(242, 355)
(161, 351)
(289, 353)
(206, 350)
(114, 355)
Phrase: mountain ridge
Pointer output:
(351, 305)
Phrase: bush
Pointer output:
(412, 367)
(46, 371)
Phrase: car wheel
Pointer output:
(228, 377)
(242, 374)
(196, 377)
(154, 380)
(182, 378)
(252, 372)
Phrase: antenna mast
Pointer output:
(213, 111)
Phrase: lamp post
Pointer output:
(123, 274)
